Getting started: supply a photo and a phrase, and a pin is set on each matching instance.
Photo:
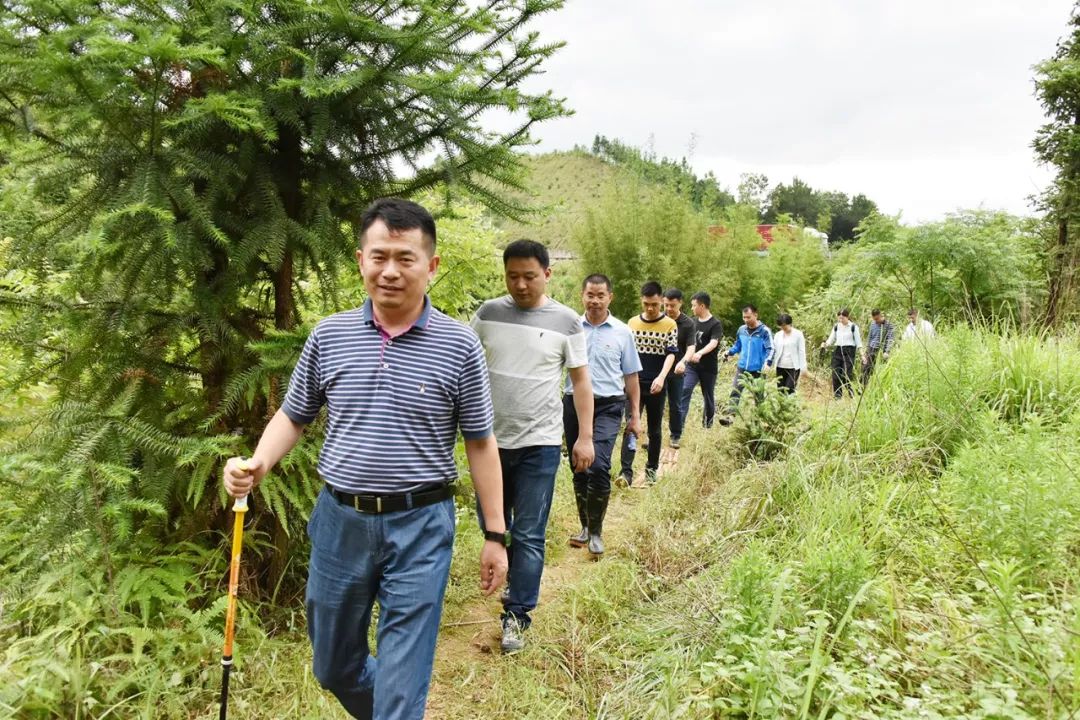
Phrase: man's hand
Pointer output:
(695, 358)
(633, 426)
(657, 386)
(493, 566)
(583, 455)
(242, 476)
(726, 357)
(680, 367)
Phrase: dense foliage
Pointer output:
(1057, 85)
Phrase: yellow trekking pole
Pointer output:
(239, 509)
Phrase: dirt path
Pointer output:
(472, 640)
(470, 644)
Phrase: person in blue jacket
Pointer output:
(754, 346)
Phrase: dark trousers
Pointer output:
(707, 380)
(872, 358)
(737, 387)
(843, 368)
(592, 488)
(676, 417)
(653, 407)
(787, 379)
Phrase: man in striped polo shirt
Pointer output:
(399, 379)
(529, 339)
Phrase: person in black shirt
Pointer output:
(699, 362)
(673, 300)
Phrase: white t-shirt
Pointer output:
(924, 328)
(527, 350)
(845, 336)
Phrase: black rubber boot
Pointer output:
(597, 509)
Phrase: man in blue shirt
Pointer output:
(753, 345)
(613, 370)
(399, 379)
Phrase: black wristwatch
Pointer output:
(501, 538)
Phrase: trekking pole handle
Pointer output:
(240, 504)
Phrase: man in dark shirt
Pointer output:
(699, 362)
(673, 301)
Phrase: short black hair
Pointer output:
(875, 312)
(651, 288)
(751, 308)
(398, 215)
(913, 311)
(673, 294)
(844, 312)
(527, 249)
(596, 279)
(702, 298)
(783, 319)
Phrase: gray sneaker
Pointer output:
(513, 635)
(581, 539)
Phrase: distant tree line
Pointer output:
(830, 211)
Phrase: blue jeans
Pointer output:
(400, 560)
(676, 417)
(528, 486)
(692, 377)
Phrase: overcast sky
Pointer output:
(926, 106)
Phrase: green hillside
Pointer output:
(561, 186)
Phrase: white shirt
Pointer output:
(845, 336)
(789, 349)
(924, 328)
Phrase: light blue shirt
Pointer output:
(612, 355)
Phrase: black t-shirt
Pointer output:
(686, 333)
(705, 331)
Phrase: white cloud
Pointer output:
(926, 106)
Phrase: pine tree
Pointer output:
(186, 179)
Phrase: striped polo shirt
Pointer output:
(394, 404)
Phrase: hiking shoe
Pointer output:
(650, 477)
(581, 539)
(725, 421)
(596, 546)
(624, 480)
(513, 635)
(674, 443)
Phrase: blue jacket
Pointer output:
(754, 349)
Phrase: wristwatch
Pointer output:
(501, 538)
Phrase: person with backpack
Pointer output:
(845, 341)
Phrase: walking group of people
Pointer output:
(400, 380)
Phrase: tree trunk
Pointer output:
(1058, 281)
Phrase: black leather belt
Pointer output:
(376, 504)
(603, 400)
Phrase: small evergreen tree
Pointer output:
(185, 184)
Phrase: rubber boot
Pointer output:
(597, 509)
(581, 489)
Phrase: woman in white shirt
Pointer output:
(845, 337)
(789, 354)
